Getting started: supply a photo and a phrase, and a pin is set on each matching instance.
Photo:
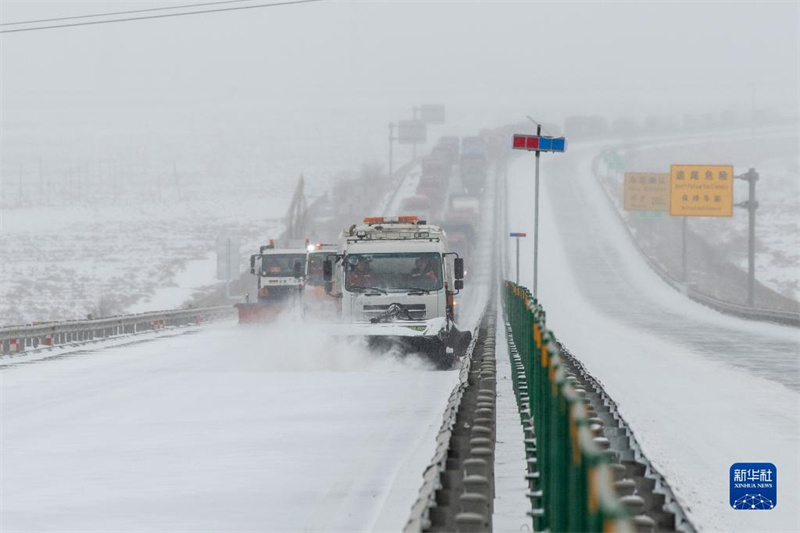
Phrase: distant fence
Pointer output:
(570, 480)
(18, 339)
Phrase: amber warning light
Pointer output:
(405, 219)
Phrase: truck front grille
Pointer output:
(416, 311)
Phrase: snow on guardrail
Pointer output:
(18, 339)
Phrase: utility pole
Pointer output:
(751, 177)
(227, 269)
(684, 253)
(414, 145)
(536, 221)
(753, 110)
(391, 142)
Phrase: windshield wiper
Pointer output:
(418, 290)
(365, 289)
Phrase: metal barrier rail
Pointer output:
(569, 472)
(18, 339)
(752, 313)
(419, 519)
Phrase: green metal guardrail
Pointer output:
(571, 482)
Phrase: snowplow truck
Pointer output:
(397, 280)
(281, 279)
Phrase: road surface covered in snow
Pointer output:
(700, 390)
(227, 428)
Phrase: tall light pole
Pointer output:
(391, 143)
(538, 143)
(536, 221)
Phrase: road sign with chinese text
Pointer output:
(701, 190)
(646, 191)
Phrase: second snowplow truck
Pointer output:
(397, 280)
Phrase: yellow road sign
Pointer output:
(646, 191)
(701, 190)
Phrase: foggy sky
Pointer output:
(489, 62)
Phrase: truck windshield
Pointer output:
(314, 274)
(394, 272)
(281, 265)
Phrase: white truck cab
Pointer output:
(280, 272)
(397, 278)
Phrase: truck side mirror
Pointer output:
(327, 271)
(252, 264)
(298, 269)
(458, 266)
(459, 284)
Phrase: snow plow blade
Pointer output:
(256, 313)
(429, 337)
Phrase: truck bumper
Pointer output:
(433, 328)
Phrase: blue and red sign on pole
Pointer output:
(539, 143)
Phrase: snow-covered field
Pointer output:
(700, 390)
(65, 263)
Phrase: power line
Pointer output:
(122, 13)
(168, 15)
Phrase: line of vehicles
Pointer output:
(391, 280)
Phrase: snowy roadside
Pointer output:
(663, 359)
